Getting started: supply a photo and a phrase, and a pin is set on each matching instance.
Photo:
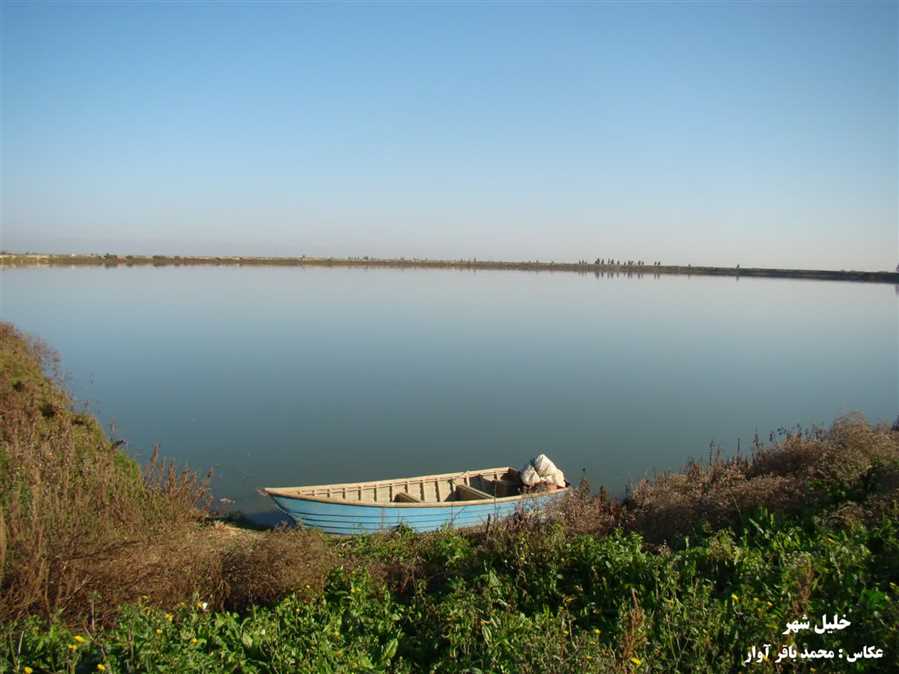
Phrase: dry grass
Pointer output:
(584, 512)
(84, 529)
(79, 516)
(853, 461)
(262, 569)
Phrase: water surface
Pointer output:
(283, 376)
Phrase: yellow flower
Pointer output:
(637, 661)
(194, 641)
(735, 598)
(27, 669)
(596, 630)
(73, 647)
(158, 631)
(80, 639)
(169, 616)
(101, 667)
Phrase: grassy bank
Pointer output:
(110, 566)
(86, 529)
(600, 267)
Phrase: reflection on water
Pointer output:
(279, 376)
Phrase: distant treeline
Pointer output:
(628, 267)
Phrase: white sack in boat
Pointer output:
(545, 467)
(542, 469)
(557, 478)
(529, 476)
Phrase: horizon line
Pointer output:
(612, 265)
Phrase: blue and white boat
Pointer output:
(424, 503)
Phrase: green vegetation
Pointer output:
(686, 574)
(599, 267)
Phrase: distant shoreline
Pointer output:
(110, 260)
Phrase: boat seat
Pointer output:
(505, 487)
(403, 497)
(465, 493)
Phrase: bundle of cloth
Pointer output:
(541, 473)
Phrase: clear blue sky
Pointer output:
(750, 133)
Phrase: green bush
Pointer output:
(562, 604)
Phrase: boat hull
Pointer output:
(362, 518)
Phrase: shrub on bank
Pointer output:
(803, 473)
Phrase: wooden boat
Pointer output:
(424, 503)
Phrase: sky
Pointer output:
(760, 134)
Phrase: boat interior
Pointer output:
(427, 489)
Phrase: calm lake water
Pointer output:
(285, 376)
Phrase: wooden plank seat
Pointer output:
(463, 492)
(506, 487)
